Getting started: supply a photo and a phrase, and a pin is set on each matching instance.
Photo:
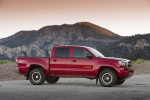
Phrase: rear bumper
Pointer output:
(17, 69)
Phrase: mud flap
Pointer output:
(96, 80)
(27, 77)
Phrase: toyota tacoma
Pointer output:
(75, 61)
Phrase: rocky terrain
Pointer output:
(7, 71)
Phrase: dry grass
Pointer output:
(141, 61)
(4, 61)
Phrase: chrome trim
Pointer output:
(126, 63)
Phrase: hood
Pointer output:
(118, 59)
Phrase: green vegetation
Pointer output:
(139, 53)
(133, 48)
(139, 61)
(5, 61)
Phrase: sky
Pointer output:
(123, 17)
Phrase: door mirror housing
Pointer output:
(89, 56)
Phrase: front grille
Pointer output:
(129, 64)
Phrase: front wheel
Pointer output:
(37, 76)
(107, 78)
(51, 79)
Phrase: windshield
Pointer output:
(95, 52)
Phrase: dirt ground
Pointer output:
(7, 71)
(134, 88)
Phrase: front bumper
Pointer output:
(126, 73)
(130, 73)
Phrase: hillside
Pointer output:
(133, 47)
(39, 42)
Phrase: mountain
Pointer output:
(133, 47)
(38, 43)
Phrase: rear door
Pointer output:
(60, 61)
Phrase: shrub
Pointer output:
(139, 61)
(4, 61)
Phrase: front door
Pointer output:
(81, 64)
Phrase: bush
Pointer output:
(4, 61)
(139, 61)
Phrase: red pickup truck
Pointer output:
(75, 61)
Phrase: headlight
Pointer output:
(123, 63)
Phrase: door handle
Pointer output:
(88, 67)
(54, 60)
(74, 61)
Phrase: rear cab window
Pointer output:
(62, 52)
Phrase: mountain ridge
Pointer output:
(37, 34)
(39, 42)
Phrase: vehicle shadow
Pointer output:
(81, 84)
(65, 84)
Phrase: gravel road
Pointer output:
(135, 88)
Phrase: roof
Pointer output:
(72, 46)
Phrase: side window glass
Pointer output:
(80, 53)
(62, 52)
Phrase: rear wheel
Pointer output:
(37, 76)
(107, 78)
(51, 79)
(119, 82)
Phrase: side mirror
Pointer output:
(89, 56)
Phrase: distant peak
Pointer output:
(98, 28)
(84, 23)
(89, 25)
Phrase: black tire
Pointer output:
(37, 76)
(51, 79)
(119, 82)
(107, 78)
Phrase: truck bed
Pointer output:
(25, 63)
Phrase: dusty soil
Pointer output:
(7, 71)
(143, 68)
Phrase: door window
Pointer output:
(62, 52)
(80, 53)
